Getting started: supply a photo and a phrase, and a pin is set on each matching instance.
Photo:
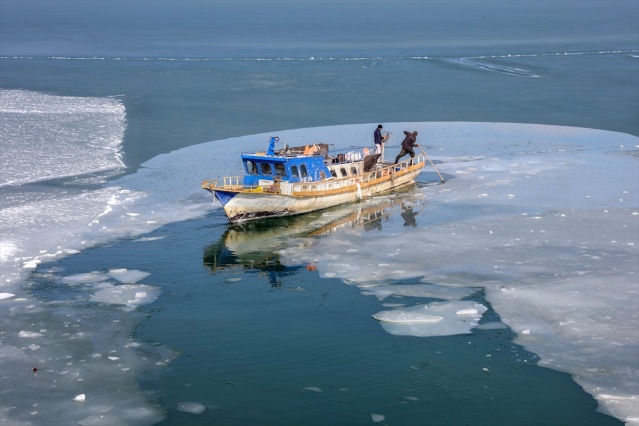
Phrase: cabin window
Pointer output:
(303, 170)
(333, 173)
(343, 171)
(322, 175)
(280, 170)
(294, 172)
(354, 170)
(251, 167)
(266, 168)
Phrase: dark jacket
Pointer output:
(409, 141)
(378, 136)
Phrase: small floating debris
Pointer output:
(469, 311)
(29, 334)
(191, 407)
(377, 417)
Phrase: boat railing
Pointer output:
(209, 183)
(235, 183)
(363, 180)
(229, 182)
(347, 155)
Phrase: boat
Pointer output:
(303, 179)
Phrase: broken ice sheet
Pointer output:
(85, 278)
(131, 295)
(128, 276)
(191, 407)
(433, 319)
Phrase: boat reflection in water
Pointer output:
(255, 244)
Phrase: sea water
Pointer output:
(506, 295)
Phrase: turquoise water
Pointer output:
(229, 333)
(270, 344)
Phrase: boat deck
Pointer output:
(379, 173)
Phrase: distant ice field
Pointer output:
(544, 219)
(67, 136)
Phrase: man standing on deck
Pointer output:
(379, 140)
(407, 145)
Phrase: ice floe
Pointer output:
(191, 407)
(128, 276)
(433, 319)
(131, 295)
(85, 278)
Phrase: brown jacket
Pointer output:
(409, 141)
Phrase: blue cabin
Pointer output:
(291, 167)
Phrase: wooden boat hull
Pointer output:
(241, 205)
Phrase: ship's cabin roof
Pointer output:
(304, 168)
(308, 163)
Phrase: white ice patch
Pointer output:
(131, 295)
(87, 131)
(376, 418)
(7, 250)
(410, 316)
(31, 264)
(85, 278)
(433, 319)
(128, 277)
(29, 334)
(191, 407)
